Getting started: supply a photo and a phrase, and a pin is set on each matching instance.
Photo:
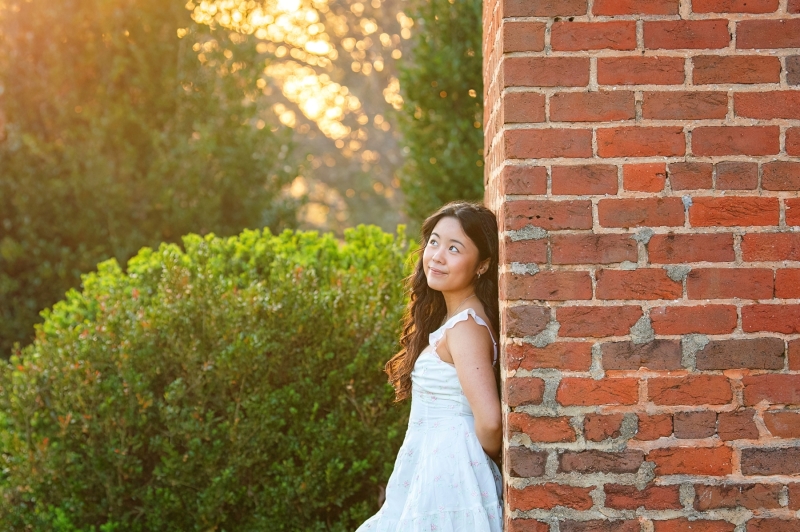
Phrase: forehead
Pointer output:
(449, 228)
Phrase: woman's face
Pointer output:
(450, 259)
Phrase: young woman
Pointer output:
(445, 477)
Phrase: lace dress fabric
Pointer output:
(442, 479)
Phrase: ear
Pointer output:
(484, 265)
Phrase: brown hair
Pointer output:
(426, 308)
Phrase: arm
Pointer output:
(470, 346)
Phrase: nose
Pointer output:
(436, 256)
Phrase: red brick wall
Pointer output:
(644, 160)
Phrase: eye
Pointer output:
(432, 241)
(453, 248)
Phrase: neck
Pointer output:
(454, 299)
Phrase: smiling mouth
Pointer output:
(434, 270)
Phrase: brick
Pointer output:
(685, 525)
(714, 69)
(541, 429)
(773, 525)
(690, 390)
(774, 318)
(734, 211)
(654, 427)
(524, 179)
(627, 461)
(735, 175)
(780, 175)
(573, 391)
(602, 106)
(771, 246)
(547, 143)
(544, 8)
(637, 212)
(525, 463)
(751, 496)
(523, 36)
(793, 6)
(787, 283)
(519, 107)
(571, 356)
(783, 423)
(691, 176)
(751, 353)
(694, 425)
(785, 461)
(701, 319)
(547, 286)
(659, 354)
(549, 215)
(794, 496)
(548, 496)
(584, 179)
(736, 140)
(597, 322)
(792, 211)
(793, 69)
(577, 36)
(676, 248)
(793, 141)
(599, 526)
(686, 34)
(524, 391)
(546, 72)
(711, 461)
(768, 33)
(526, 251)
(734, 6)
(739, 425)
(652, 497)
(593, 248)
(684, 105)
(794, 354)
(767, 104)
(647, 177)
(597, 427)
(645, 283)
(725, 283)
(526, 525)
(773, 388)
(635, 7)
(641, 142)
(640, 70)
(525, 320)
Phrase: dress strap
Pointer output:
(435, 337)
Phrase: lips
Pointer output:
(435, 271)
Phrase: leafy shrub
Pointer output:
(236, 385)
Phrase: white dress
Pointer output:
(442, 479)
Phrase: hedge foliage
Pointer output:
(236, 385)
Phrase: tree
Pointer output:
(126, 124)
(440, 121)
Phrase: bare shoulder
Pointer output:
(469, 336)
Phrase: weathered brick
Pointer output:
(592, 249)
(783, 423)
(686, 34)
(701, 319)
(793, 69)
(598, 427)
(693, 425)
(524, 179)
(574, 391)
(774, 388)
(690, 390)
(526, 525)
(685, 525)
(525, 320)
(780, 461)
(794, 496)
(793, 135)
(734, 211)
(713, 69)
(600, 526)
(654, 427)
(637, 212)
(637, 141)
(751, 496)
(640, 70)
(584, 179)
(645, 283)
(547, 143)
(546, 72)
(676, 248)
(651, 497)
(793, 6)
(735, 175)
(737, 425)
(767, 105)
(792, 211)
(524, 391)
(690, 176)
(572, 356)
(794, 354)
(711, 461)
(647, 177)
(773, 318)
(725, 283)
(771, 246)
(787, 283)
(603, 106)
(736, 140)
(635, 7)
(597, 322)
(773, 525)
(547, 286)
(544, 8)
(549, 215)
(627, 461)
(525, 463)
(734, 6)
(548, 496)
(526, 251)
(523, 36)
(660, 354)
(541, 429)
(577, 36)
(780, 175)
(680, 105)
(521, 107)
(752, 353)
(784, 33)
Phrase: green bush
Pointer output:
(236, 385)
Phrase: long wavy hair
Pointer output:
(426, 308)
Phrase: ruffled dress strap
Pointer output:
(436, 336)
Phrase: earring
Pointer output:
(479, 275)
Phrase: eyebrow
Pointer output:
(451, 240)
